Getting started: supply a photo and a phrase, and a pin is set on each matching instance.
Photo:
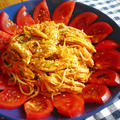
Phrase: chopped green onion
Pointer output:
(22, 34)
(20, 39)
(6, 62)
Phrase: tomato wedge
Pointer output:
(6, 24)
(107, 59)
(107, 44)
(23, 18)
(93, 93)
(4, 40)
(83, 20)
(1, 63)
(3, 81)
(99, 31)
(108, 77)
(38, 108)
(63, 12)
(12, 98)
(41, 12)
(69, 104)
(5, 36)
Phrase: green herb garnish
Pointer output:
(20, 39)
(22, 34)
(6, 62)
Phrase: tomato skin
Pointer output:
(43, 107)
(12, 98)
(83, 20)
(5, 36)
(3, 81)
(69, 104)
(23, 18)
(7, 25)
(63, 12)
(107, 59)
(111, 44)
(1, 63)
(93, 93)
(108, 77)
(99, 31)
(41, 12)
(4, 40)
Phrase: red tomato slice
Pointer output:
(108, 77)
(63, 12)
(23, 18)
(99, 31)
(38, 108)
(4, 40)
(41, 12)
(69, 104)
(1, 63)
(107, 44)
(107, 59)
(96, 93)
(12, 98)
(5, 36)
(3, 81)
(83, 20)
(7, 25)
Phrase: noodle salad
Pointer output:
(56, 60)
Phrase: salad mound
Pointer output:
(51, 57)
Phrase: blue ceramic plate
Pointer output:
(90, 109)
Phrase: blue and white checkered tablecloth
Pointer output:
(112, 9)
(109, 7)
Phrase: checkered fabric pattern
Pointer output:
(109, 7)
(112, 9)
(112, 112)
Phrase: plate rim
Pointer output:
(90, 113)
